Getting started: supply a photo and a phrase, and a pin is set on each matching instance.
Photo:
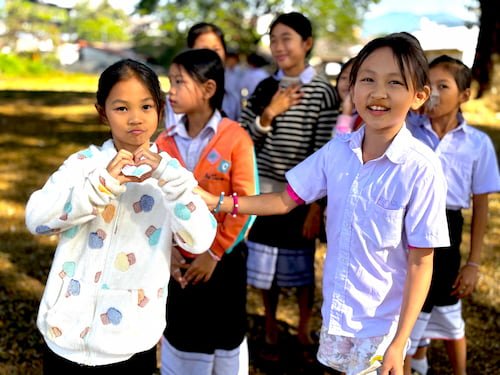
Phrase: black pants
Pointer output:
(446, 265)
(140, 364)
(210, 315)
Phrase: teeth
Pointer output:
(377, 108)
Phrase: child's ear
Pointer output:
(420, 97)
(210, 88)
(102, 113)
(465, 96)
(308, 44)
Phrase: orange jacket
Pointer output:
(226, 164)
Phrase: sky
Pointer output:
(456, 8)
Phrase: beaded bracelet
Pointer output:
(234, 212)
(213, 255)
(221, 199)
(472, 264)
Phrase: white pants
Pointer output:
(222, 362)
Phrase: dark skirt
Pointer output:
(208, 316)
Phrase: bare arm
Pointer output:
(469, 274)
(262, 205)
(416, 288)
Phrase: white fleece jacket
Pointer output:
(106, 292)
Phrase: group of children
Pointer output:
(152, 235)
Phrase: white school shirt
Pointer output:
(189, 147)
(468, 158)
(375, 210)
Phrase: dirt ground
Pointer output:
(38, 130)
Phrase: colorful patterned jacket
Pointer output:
(106, 292)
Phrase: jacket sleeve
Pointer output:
(244, 181)
(192, 224)
(72, 195)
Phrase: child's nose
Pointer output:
(379, 92)
(134, 117)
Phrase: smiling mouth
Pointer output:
(377, 108)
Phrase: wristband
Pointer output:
(219, 203)
(234, 212)
(213, 255)
(472, 264)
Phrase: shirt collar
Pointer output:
(212, 125)
(426, 123)
(305, 77)
(397, 150)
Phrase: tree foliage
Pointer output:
(332, 19)
(43, 21)
(103, 23)
(26, 17)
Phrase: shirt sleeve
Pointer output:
(308, 178)
(426, 225)
(486, 177)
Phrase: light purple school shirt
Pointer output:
(468, 158)
(191, 148)
(375, 211)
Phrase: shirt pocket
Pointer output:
(382, 227)
(458, 173)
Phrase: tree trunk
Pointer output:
(488, 44)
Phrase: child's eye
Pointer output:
(366, 79)
(396, 82)
(147, 107)
(121, 109)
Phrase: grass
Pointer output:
(41, 128)
(62, 81)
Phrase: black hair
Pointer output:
(408, 53)
(202, 65)
(461, 72)
(256, 60)
(343, 69)
(126, 69)
(203, 28)
(297, 22)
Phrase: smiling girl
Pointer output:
(289, 116)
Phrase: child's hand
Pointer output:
(177, 265)
(466, 281)
(210, 199)
(121, 160)
(144, 156)
(201, 269)
(312, 223)
(282, 100)
(347, 105)
(392, 363)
